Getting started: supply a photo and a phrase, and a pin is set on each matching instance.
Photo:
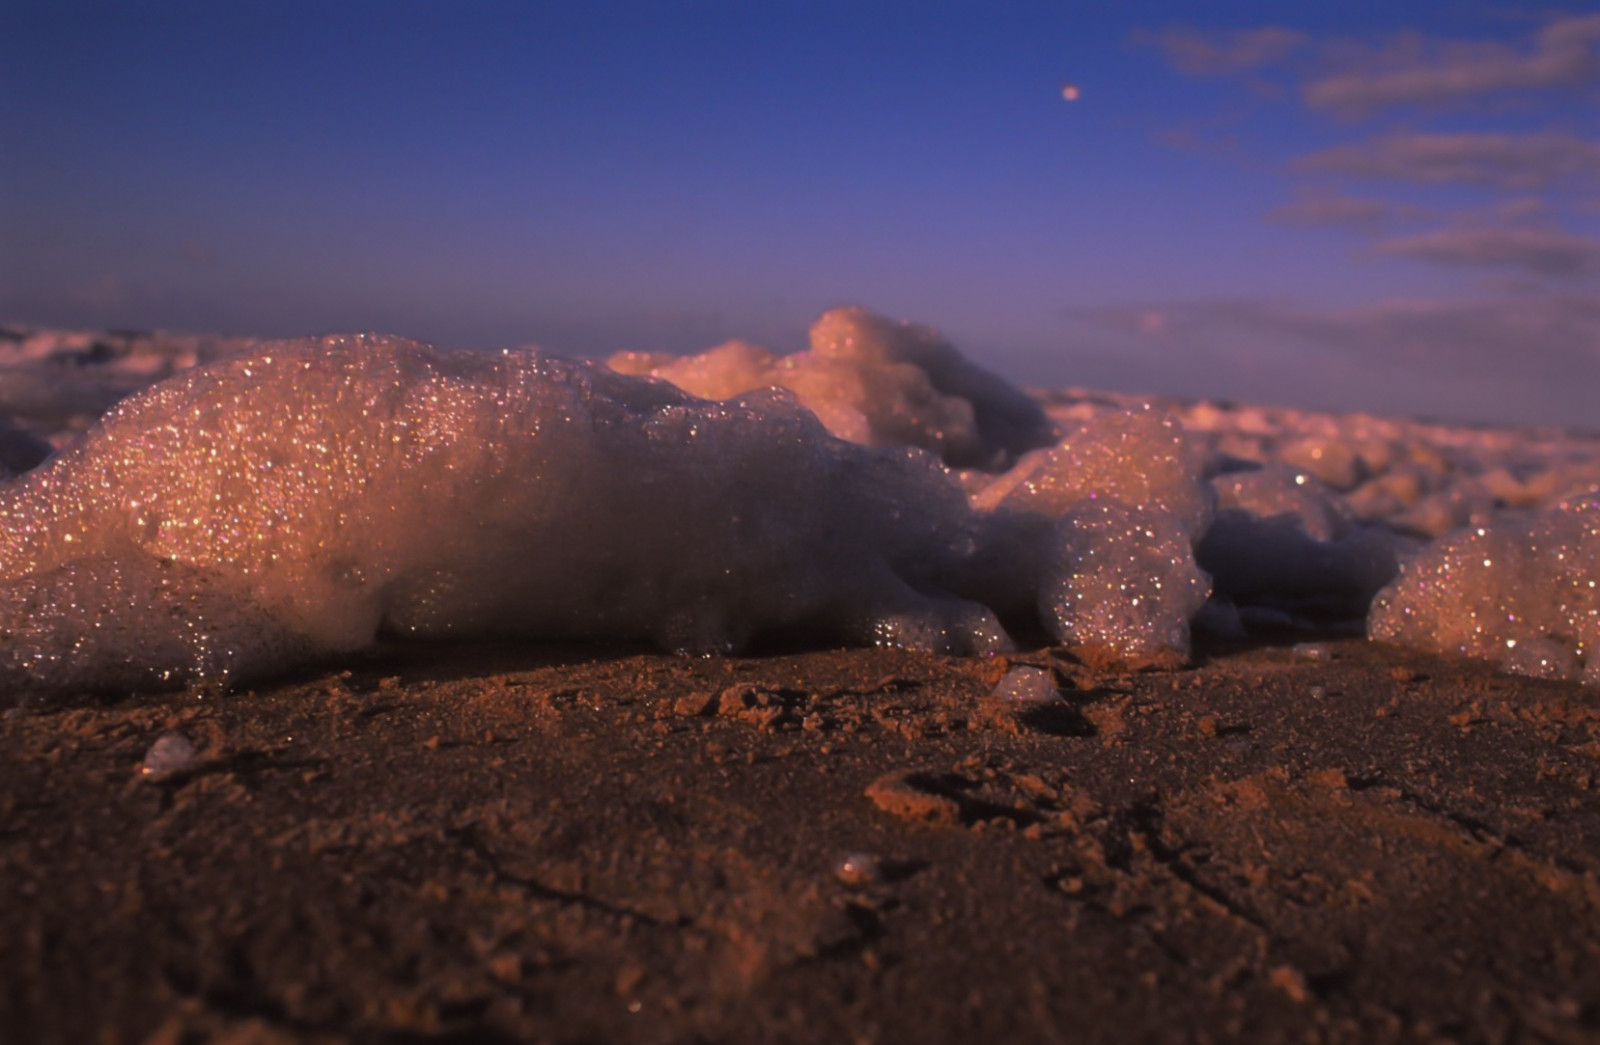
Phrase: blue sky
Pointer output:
(1388, 207)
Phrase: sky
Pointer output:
(1386, 207)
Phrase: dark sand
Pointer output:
(592, 846)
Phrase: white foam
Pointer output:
(293, 502)
(1287, 550)
(873, 381)
(296, 500)
(1139, 458)
(1284, 540)
(59, 381)
(1123, 585)
(1127, 490)
(1523, 592)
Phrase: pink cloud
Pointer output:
(1348, 211)
(1540, 251)
(1217, 54)
(103, 292)
(1415, 71)
(1509, 161)
(1528, 357)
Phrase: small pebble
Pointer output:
(171, 755)
(1027, 686)
(858, 870)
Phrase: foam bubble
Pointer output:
(293, 502)
(300, 500)
(873, 381)
(1138, 458)
(1123, 585)
(1284, 540)
(1522, 592)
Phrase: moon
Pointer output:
(1070, 91)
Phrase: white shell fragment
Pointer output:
(170, 756)
(1024, 685)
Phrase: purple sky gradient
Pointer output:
(1379, 207)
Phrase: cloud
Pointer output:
(106, 291)
(1508, 161)
(197, 254)
(1540, 251)
(1344, 211)
(1530, 358)
(1518, 341)
(1521, 208)
(1218, 54)
(1414, 71)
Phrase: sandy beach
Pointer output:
(1277, 835)
(843, 524)
(1327, 842)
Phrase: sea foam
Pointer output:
(1523, 592)
(295, 501)
(873, 381)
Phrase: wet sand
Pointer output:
(588, 845)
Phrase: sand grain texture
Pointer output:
(575, 845)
